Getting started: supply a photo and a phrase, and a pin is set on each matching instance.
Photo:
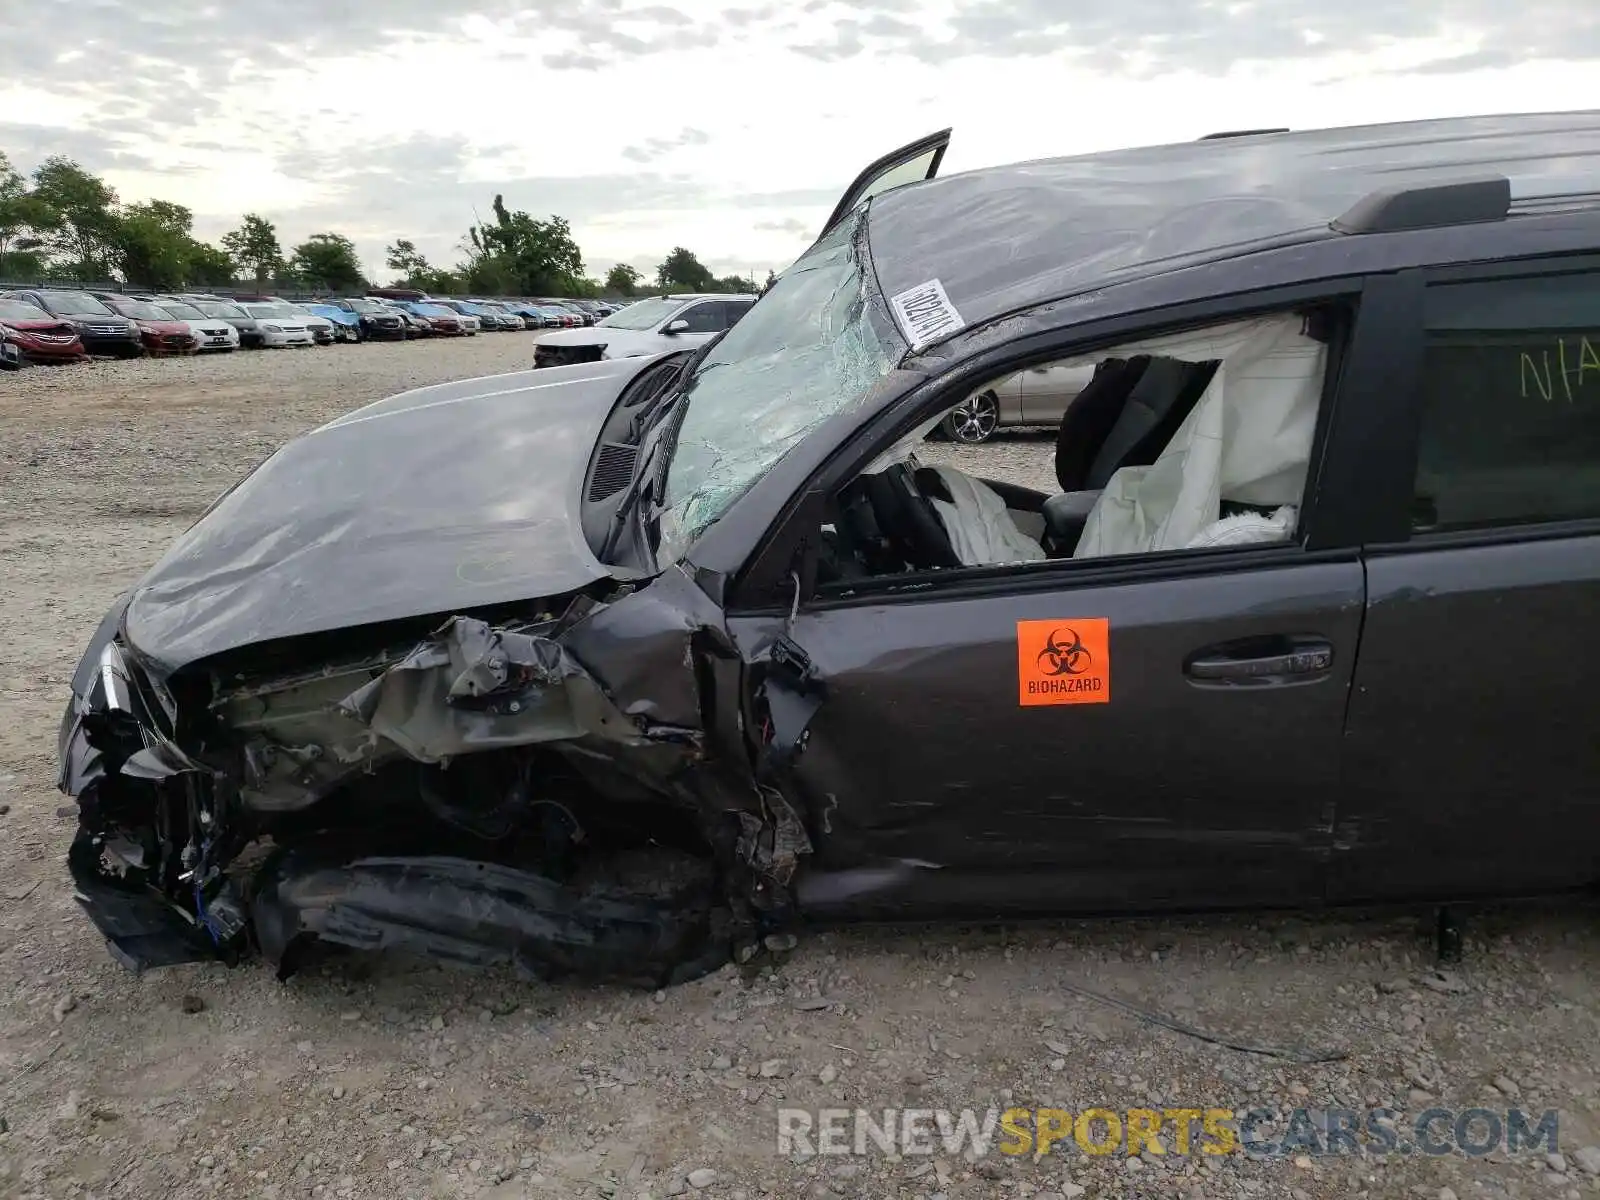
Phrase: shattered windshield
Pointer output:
(814, 346)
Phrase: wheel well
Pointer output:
(523, 808)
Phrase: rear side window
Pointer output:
(1511, 403)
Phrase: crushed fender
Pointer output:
(476, 796)
(472, 687)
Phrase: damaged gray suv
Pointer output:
(608, 670)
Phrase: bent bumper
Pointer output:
(116, 346)
(645, 931)
(50, 354)
(161, 860)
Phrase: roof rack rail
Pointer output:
(1229, 133)
(1428, 206)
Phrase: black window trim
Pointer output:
(1498, 535)
(1342, 427)
(1402, 538)
(1052, 575)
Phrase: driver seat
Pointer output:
(1134, 407)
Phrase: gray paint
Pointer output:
(825, 775)
(1011, 237)
(434, 501)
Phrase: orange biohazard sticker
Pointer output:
(1064, 662)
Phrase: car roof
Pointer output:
(1003, 239)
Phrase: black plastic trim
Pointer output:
(1472, 201)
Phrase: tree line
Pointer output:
(63, 223)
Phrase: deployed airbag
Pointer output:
(979, 524)
(1248, 439)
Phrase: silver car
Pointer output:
(1037, 396)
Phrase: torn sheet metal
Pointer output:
(644, 646)
(472, 687)
(773, 841)
(792, 692)
(160, 761)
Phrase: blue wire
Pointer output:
(205, 919)
(200, 900)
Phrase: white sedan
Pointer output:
(212, 334)
(281, 325)
(651, 326)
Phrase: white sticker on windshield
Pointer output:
(926, 314)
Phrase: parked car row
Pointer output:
(475, 314)
(53, 325)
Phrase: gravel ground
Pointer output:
(395, 1079)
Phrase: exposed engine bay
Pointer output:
(473, 795)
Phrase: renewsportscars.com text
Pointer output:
(1037, 1132)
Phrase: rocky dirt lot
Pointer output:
(394, 1079)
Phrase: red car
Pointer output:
(40, 337)
(158, 329)
(440, 319)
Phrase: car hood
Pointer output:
(592, 335)
(97, 319)
(39, 324)
(435, 501)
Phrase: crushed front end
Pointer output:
(468, 791)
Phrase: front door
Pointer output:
(1151, 743)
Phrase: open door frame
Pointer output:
(861, 187)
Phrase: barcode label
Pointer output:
(926, 314)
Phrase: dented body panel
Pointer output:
(442, 500)
(305, 658)
(1146, 802)
(491, 673)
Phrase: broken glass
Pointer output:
(813, 347)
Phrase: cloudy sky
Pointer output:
(728, 126)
